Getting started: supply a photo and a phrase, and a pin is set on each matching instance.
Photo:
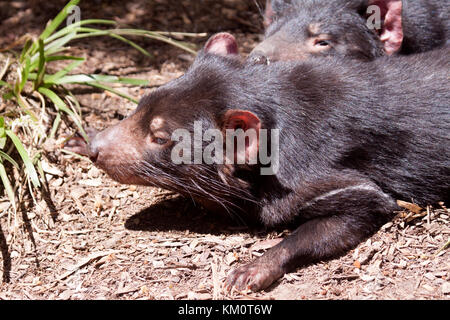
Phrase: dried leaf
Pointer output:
(410, 206)
(266, 244)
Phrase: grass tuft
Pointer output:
(41, 99)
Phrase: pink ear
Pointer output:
(268, 14)
(222, 44)
(245, 120)
(392, 30)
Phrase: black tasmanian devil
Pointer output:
(344, 140)
(298, 29)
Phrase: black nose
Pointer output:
(93, 152)
(259, 57)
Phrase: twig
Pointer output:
(85, 262)
(444, 247)
(215, 279)
(6, 66)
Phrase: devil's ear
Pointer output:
(222, 44)
(389, 14)
(241, 119)
(244, 126)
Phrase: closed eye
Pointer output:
(160, 141)
(322, 43)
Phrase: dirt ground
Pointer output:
(92, 238)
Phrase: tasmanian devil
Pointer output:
(362, 29)
(344, 140)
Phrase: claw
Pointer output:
(254, 277)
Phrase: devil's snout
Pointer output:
(104, 145)
(93, 153)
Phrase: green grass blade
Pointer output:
(57, 58)
(41, 65)
(41, 170)
(53, 25)
(76, 155)
(7, 185)
(135, 32)
(5, 67)
(133, 81)
(57, 45)
(25, 73)
(9, 159)
(2, 133)
(61, 106)
(181, 34)
(25, 49)
(53, 47)
(57, 101)
(55, 125)
(61, 73)
(3, 83)
(115, 79)
(75, 78)
(83, 78)
(91, 32)
(76, 26)
(25, 107)
(107, 88)
(131, 43)
(75, 102)
(29, 168)
(157, 36)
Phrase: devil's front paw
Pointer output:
(254, 276)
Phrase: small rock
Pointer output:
(158, 264)
(230, 258)
(387, 226)
(446, 288)
(367, 278)
(377, 245)
(402, 264)
(78, 193)
(198, 296)
(193, 244)
(51, 170)
(4, 205)
(367, 256)
(65, 295)
(429, 276)
(94, 172)
(57, 182)
(91, 182)
(428, 288)
(187, 249)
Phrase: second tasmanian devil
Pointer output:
(299, 29)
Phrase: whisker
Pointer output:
(200, 182)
